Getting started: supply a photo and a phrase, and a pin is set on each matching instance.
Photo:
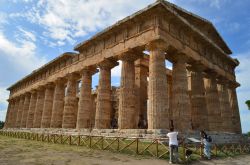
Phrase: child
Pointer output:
(206, 141)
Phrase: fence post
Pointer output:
(118, 144)
(69, 139)
(157, 148)
(137, 146)
(102, 142)
(90, 141)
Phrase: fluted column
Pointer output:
(85, 106)
(31, 112)
(213, 102)
(180, 101)
(47, 107)
(14, 113)
(226, 115)
(103, 105)
(8, 115)
(25, 110)
(70, 111)
(234, 108)
(39, 108)
(58, 104)
(158, 109)
(141, 73)
(199, 108)
(127, 111)
(19, 112)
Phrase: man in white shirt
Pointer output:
(173, 146)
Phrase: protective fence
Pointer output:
(157, 147)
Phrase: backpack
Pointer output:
(209, 139)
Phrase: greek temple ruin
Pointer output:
(197, 92)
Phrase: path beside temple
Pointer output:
(23, 152)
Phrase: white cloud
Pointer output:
(243, 91)
(22, 55)
(27, 34)
(3, 115)
(4, 94)
(64, 20)
(116, 71)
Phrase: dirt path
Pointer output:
(23, 152)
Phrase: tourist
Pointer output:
(206, 142)
(173, 146)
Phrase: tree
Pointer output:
(1, 124)
(248, 134)
(248, 104)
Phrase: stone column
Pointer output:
(103, 105)
(226, 115)
(47, 105)
(213, 102)
(180, 101)
(127, 110)
(19, 112)
(8, 115)
(25, 110)
(234, 108)
(141, 83)
(14, 113)
(85, 100)
(70, 111)
(58, 104)
(157, 87)
(31, 112)
(199, 108)
(39, 108)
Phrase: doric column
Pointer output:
(47, 107)
(31, 112)
(157, 87)
(8, 115)
(127, 111)
(58, 104)
(25, 109)
(19, 112)
(213, 102)
(103, 105)
(39, 108)
(226, 115)
(199, 109)
(234, 108)
(14, 113)
(141, 73)
(70, 111)
(85, 100)
(180, 101)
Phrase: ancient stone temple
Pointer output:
(197, 92)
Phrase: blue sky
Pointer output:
(33, 32)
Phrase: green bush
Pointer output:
(248, 104)
(1, 124)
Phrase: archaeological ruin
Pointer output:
(197, 92)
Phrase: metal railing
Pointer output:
(131, 145)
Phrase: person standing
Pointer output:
(206, 142)
(173, 146)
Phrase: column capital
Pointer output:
(72, 76)
(49, 85)
(108, 64)
(88, 69)
(130, 55)
(60, 80)
(196, 67)
(233, 84)
(178, 57)
(157, 45)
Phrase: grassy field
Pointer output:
(25, 152)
